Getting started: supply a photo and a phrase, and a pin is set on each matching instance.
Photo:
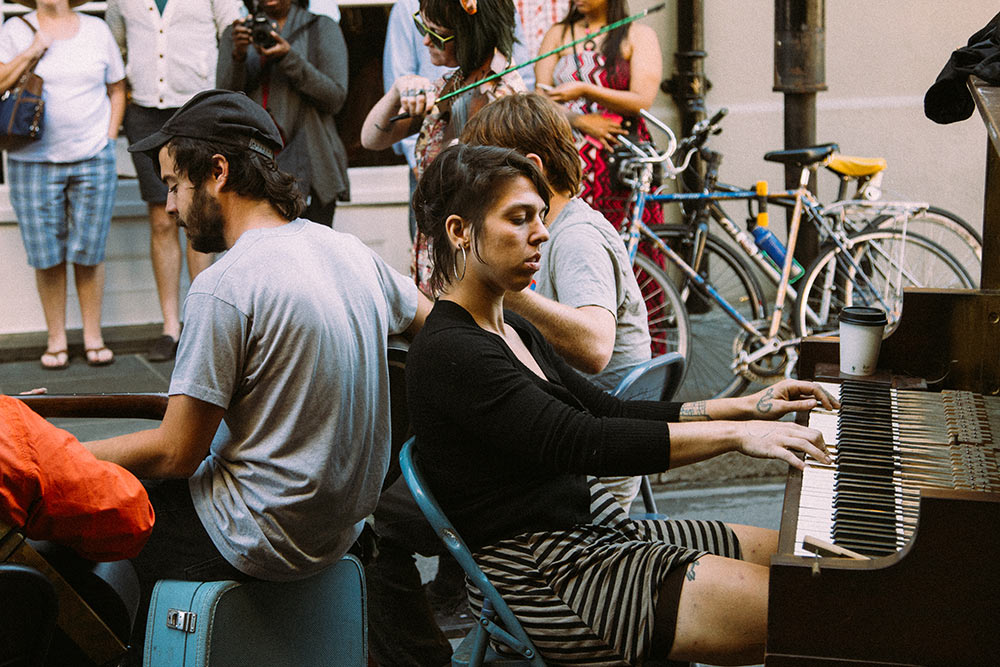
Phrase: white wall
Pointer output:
(880, 59)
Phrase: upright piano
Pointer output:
(910, 566)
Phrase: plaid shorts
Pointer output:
(64, 209)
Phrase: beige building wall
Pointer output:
(377, 215)
(880, 59)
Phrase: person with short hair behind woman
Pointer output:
(477, 37)
(62, 185)
(509, 438)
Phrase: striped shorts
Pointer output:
(587, 595)
(64, 209)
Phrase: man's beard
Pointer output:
(204, 223)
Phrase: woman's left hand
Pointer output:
(568, 91)
(278, 50)
(787, 396)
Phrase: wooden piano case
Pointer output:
(937, 601)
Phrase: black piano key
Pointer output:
(865, 515)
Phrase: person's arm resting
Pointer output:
(175, 449)
(116, 92)
(584, 336)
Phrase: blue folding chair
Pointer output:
(654, 380)
(27, 615)
(496, 620)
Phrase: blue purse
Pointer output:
(22, 108)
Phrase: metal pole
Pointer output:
(688, 84)
(800, 73)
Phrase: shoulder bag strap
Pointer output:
(30, 69)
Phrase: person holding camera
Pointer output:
(294, 64)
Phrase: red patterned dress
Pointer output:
(588, 65)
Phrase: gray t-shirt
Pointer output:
(585, 263)
(287, 331)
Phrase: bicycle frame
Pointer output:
(804, 204)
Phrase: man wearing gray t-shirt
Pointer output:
(285, 339)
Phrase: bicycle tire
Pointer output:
(669, 329)
(951, 232)
(831, 283)
(709, 372)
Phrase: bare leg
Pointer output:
(90, 290)
(757, 544)
(165, 252)
(197, 261)
(722, 613)
(51, 284)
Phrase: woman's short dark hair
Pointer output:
(612, 47)
(530, 123)
(466, 181)
(250, 173)
(476, 35)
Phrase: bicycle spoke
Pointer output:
(669, 330)
(872, 269)
(710, 363)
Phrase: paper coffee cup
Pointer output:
(861, 329)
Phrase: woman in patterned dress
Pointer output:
(477, 37)
(509, 438)
(603, 84)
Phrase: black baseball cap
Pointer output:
(223, 116)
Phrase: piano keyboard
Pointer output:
(886, 445)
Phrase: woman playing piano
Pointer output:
(510, 440)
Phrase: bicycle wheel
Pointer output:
(710, 371)
(871, 270)
(952, 233)
(669, 330)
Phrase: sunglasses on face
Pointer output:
(436, 39)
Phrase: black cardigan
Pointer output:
(505, 451)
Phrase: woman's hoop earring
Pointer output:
(465, 263)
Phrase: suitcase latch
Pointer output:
(178, 619)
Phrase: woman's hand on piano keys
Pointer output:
(785, 397)
(773, 402)
(781, 440)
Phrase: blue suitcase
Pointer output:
(321, 620)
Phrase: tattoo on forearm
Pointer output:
(689, 575)
(765, 404)
(381, 129)
(695, 411)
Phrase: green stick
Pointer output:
(589, 36)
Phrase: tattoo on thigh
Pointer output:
(689, 575)
(695, 411)
(764, 405)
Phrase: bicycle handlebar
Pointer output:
(687, 146)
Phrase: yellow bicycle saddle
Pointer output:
(855, 167)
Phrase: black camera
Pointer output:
(260, 26)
